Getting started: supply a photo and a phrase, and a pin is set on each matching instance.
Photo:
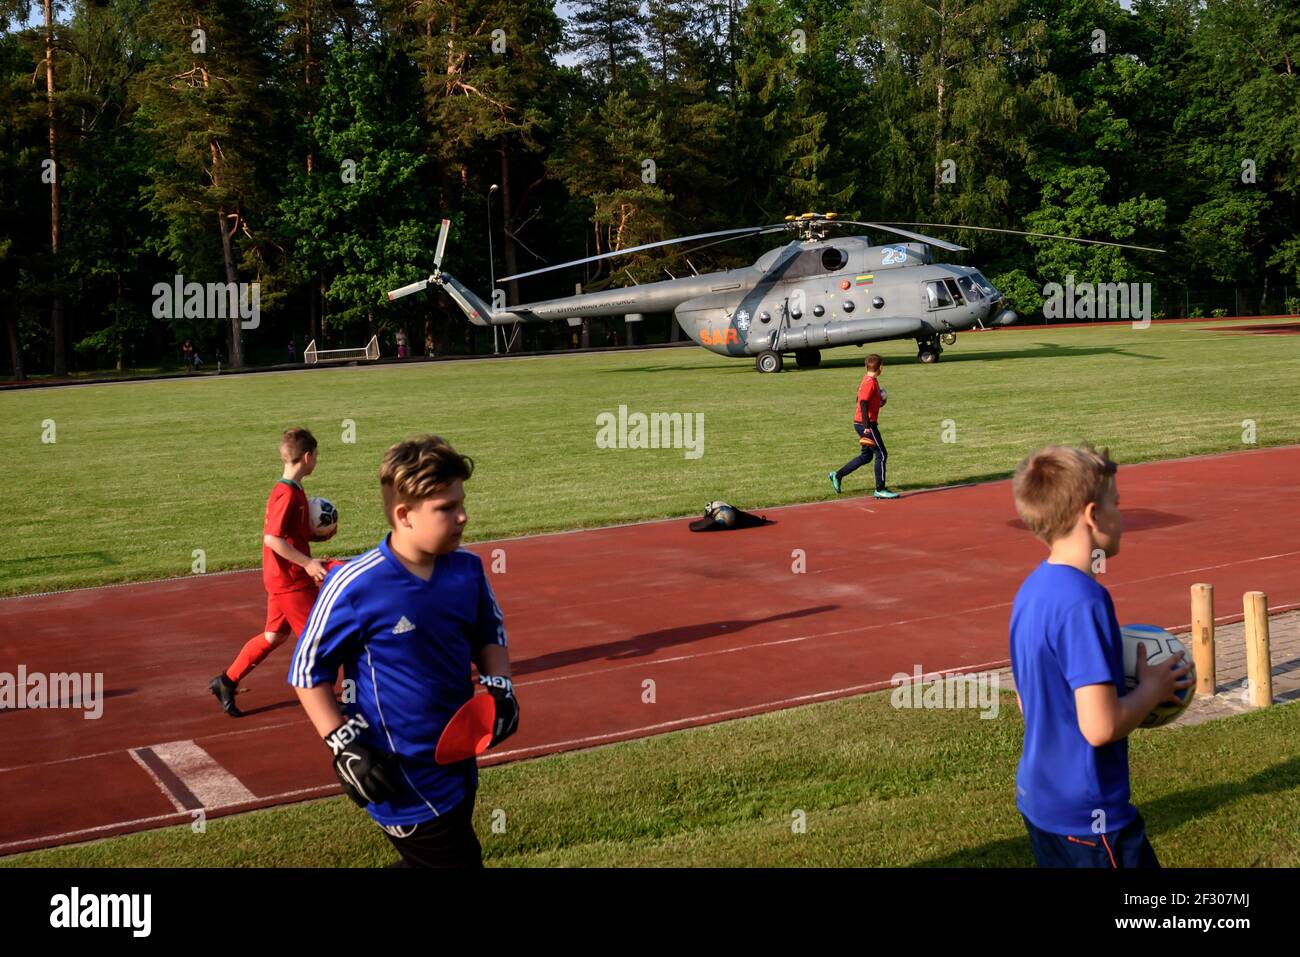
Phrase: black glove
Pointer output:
(507, 720)
(368, 777)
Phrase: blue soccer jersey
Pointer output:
(406, 644)
(1064, 636)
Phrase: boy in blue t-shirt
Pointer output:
(405, 620)
(1067, 656)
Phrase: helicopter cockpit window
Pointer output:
(833, 259)
(973, 292)
(984, 284)
(954, 292)
(936, 295)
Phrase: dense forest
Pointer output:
(312, 147)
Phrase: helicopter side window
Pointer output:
(954, 292)
(936, 295)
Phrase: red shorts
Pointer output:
(289, 610)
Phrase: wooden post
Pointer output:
(1259, 664)
(1203, 638)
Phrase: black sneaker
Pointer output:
(224, 689)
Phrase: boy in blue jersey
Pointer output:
(404, 621)
(1067, 656)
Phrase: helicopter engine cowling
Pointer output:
(843, 332)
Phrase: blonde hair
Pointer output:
(418, 469)
(1055, 484)
(294, 444)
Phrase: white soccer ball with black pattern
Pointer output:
(1159, 645)
(322, 516)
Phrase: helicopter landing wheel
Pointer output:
(768, 362)
(927, 355)
(808, 358)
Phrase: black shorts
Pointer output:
(1127, 848)
(445, 841)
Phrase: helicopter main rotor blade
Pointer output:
(941, 243)
(442, 245)
(420, 286)
(747, 230)
(1017, 232)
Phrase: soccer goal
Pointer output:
(311, 355)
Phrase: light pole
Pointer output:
(492, 279)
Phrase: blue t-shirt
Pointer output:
(406, 644)
(1064, 636)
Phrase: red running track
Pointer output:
(721, 623)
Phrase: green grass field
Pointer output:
(877, 787)
(142, 474)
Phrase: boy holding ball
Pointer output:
(291, 576)
(1067, 657)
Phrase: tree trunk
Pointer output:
(15, 348)
(117, 319)
(507, 243)
(228, 254)
(58, 324)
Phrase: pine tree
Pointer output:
(207, 101)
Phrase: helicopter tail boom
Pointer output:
(476, 310)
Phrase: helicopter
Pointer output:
(813, 293)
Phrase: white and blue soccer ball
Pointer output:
(322, 516)
(1159, 646)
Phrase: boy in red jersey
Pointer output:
(870, 398)
(291, 576)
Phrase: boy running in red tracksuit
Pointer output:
(291, 576)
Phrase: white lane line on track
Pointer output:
(135, 756)
(199, 774)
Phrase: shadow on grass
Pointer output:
(68, 561)
(651, 641)
(1164, 814)
(1041, 350)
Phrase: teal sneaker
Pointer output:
(884, 493)
(835, 481)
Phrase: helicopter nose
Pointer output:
(1004, 318)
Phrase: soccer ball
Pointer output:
(1159, 646)
(322, 516)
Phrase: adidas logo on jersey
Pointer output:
(403, 626)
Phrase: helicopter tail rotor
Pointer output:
(433, 279)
